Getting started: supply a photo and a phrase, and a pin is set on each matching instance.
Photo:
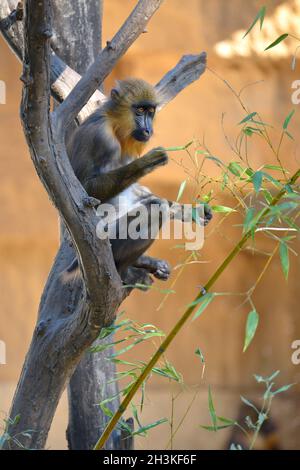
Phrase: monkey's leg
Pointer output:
(158, 267)
(105, 186)
(139, 229)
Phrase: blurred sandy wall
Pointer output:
(29, 228)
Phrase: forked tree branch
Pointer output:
(64, 78)
(62, 337)
(106, 60)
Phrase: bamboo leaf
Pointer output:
(257, 180)
(251, 326)
(275, 167)
(215, 428)
(135, 414)
(248, 131)
(284, 258)
(235, 168)
(227, 421)
(181, 190)
(199, 353)
(204, 302)
(272, 376)
(283, 389)
(260, 16)
(180, 147)
(222, 209)
(211, 410)
(248, 403)
(277, 41)
(248, 118)
(144, 429)
(249, 220)
(287, 119)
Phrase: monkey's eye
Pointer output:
(140, 110)
(151, 110)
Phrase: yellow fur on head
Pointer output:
(131, 91)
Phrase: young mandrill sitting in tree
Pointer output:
(105, 152)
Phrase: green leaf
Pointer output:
(106, 411)
(204, 302)
(277, 41)
(251, 325)
(248, 131)
(268, 393)
(169, 372)
(211, 410)
(199, 353)
(260, 16)
(274, 167)
(287, 119)
(249, 220)
(248, 403)
(229, 422)
(248, 118)
(216, 160)
(283, 389)
(215, 428)
(181, 189)
(180, 147)
(257, 180)
(135, 414)
(276, 183)
(225, 181)
(284, 258)
(103, 347)
(272, 376)
(222, 209)
(235, 168)
(267, 195)
(144, 429)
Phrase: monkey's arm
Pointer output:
(105, 186)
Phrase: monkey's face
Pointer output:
(143, 115)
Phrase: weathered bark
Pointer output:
(60, 337)
(68, 324)
(89, 383)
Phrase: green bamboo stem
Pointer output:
(167, 341)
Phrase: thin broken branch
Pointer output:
(106, 60)
(64, 78)
(14, 15)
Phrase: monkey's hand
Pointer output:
(207, 214)
(204, 215)
(154, 158)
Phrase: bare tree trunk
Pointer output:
(77, 41)
(70, 316)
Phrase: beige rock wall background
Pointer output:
(29, 228)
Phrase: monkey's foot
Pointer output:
(159, 268)
(162, 271)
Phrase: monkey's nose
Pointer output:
(146, 133)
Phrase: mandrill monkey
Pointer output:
(105, 152)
